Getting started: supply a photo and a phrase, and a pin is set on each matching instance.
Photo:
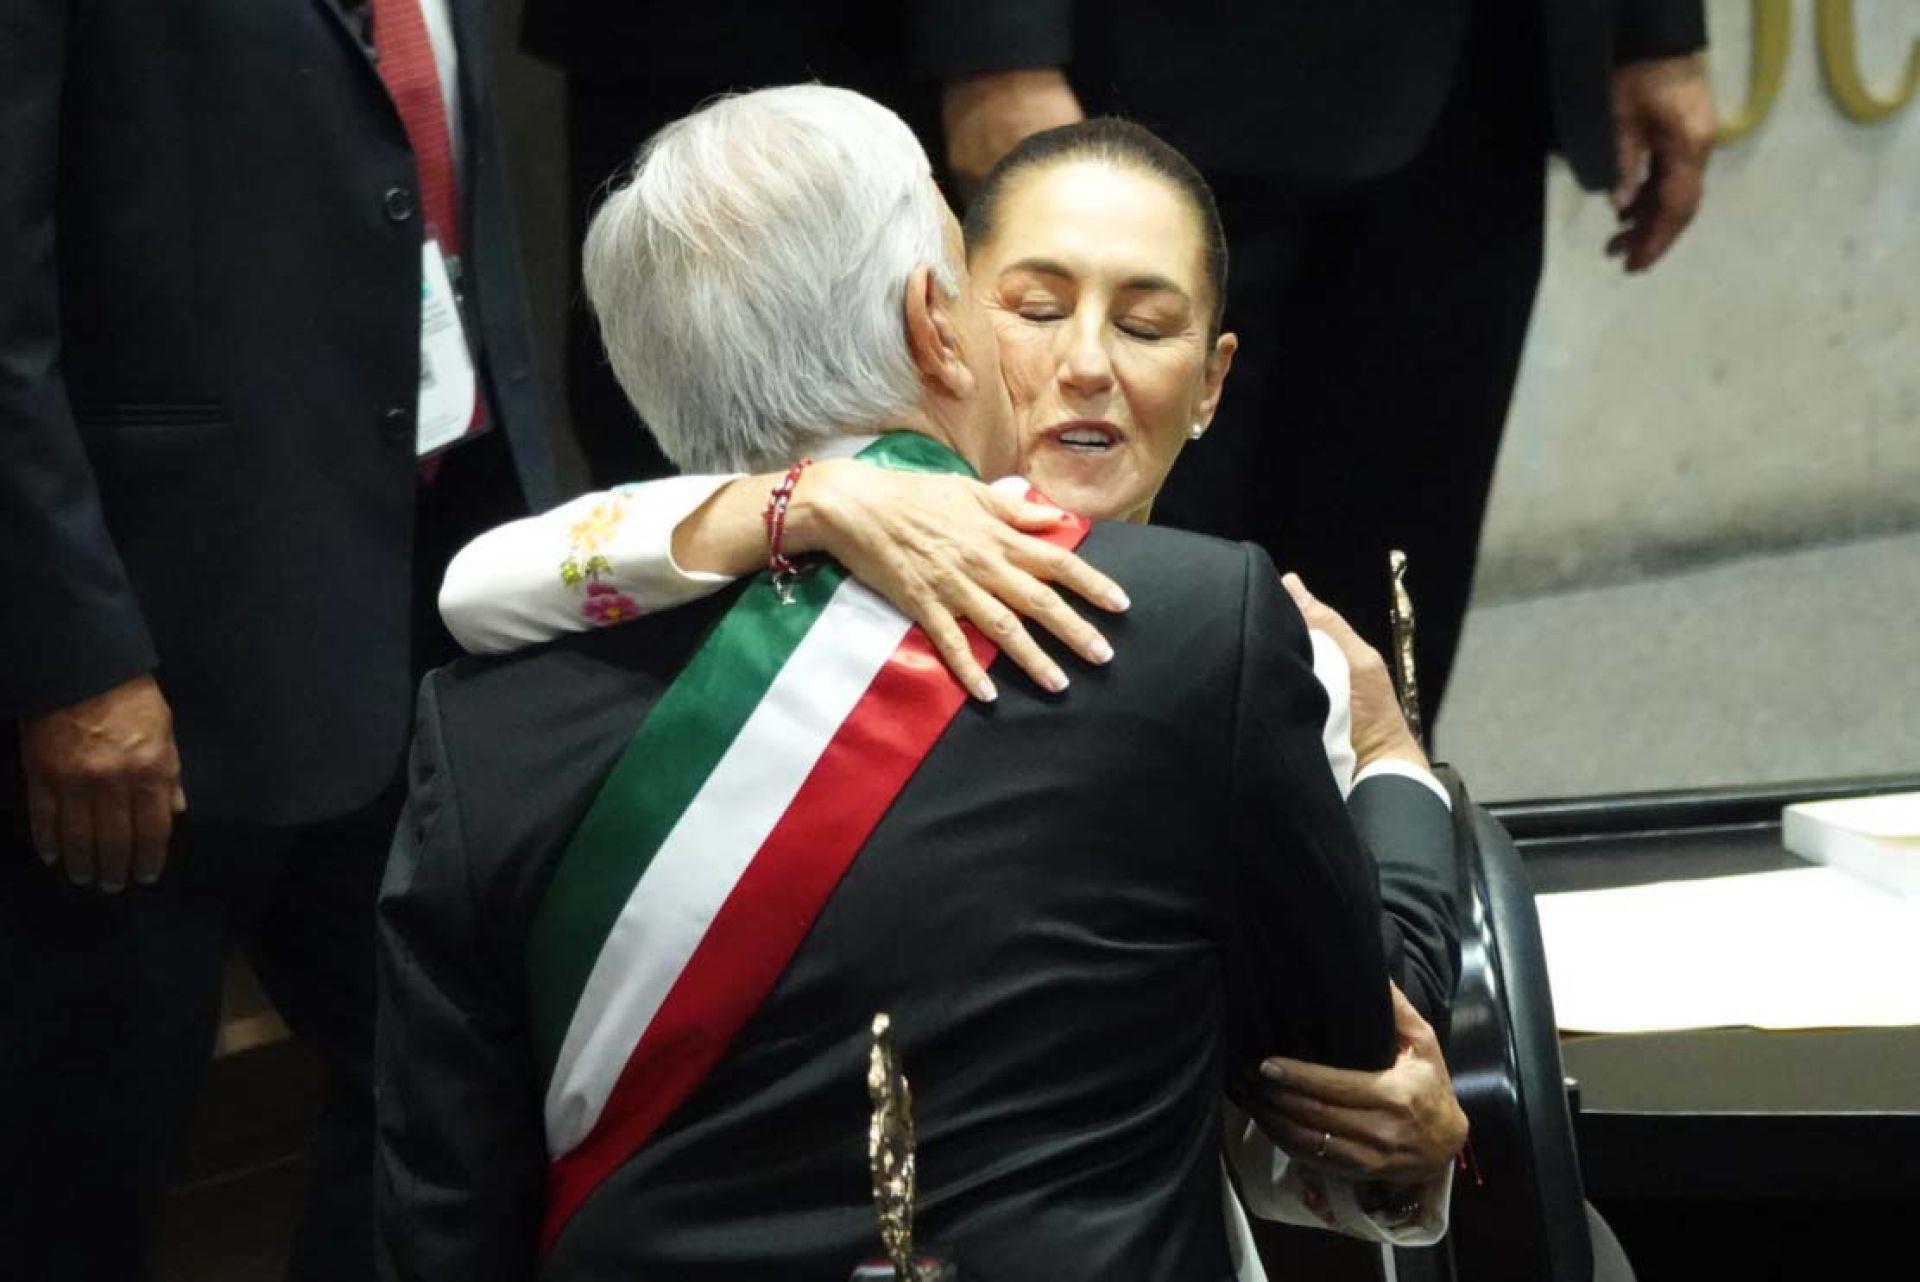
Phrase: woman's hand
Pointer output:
(944, 549)
(1401, 1125)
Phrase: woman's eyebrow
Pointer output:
(1145, 281)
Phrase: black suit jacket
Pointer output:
(719, 44)
(1080, 912)
(1319, 93)
(209, 356)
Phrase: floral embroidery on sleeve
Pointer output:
(586, 564)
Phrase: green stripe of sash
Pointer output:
(678, 745)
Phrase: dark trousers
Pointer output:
(108, 1005)
(1380, 333)
(110, 1013)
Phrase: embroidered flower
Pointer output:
(605, 605)
(574, 571)
(586, 564)
(591, 532)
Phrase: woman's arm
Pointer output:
(944, 550)
(600, 559)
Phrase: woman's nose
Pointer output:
(1085, 367)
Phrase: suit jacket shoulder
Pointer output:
(529, 740)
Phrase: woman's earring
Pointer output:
(1197, 431)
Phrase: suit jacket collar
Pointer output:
(469, 37)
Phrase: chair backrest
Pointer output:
(1519, 1210)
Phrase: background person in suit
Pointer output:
(1208, 899)
(221, 551)
(1380, 166)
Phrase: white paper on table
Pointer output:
(1804, 948)
(1889, 816)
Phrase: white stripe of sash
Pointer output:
(706, 852)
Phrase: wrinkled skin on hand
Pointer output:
(103, 784)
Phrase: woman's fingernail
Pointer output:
(1056, 681)
(1119, 600)
(113, 887)
(983, 691)
(1273, 1070)
(1102, 652)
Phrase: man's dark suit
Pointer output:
(210, 280)
(1079, 912)
(1380, 166)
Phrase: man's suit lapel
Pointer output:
(348, 30)
(469, 18)
(469, 22)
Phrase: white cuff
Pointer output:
(1336, 737)
(642, 548)
(1406, 770)
(1277, 1188)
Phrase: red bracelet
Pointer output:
(785, 572)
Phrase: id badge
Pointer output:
(448, 385)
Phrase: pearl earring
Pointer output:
(1195, 432)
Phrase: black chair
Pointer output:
(1518, 1208)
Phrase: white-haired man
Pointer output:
(654, 881)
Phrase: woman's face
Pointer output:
(1095, 279)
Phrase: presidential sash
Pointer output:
(715, 842)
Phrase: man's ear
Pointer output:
(1219, 361)
(933, 340)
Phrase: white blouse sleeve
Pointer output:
(1331, 670)
(1275, 1187)
(600, 559)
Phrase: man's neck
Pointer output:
(983, 444)
(930, 426)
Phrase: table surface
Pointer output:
(1728, 1112)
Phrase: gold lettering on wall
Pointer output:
(1766, 67)
(1840, 61)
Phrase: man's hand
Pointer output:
(1663, 125)
(1399, 1126)
(1380, 729)
(986, 115)
(103, 784)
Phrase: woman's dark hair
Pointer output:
(1117, 142)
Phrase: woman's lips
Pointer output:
(1090, 437)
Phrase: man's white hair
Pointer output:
(750, 277)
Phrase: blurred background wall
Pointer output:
(1702, 559)
(1761, 388)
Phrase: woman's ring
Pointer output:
(1320, 1149)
